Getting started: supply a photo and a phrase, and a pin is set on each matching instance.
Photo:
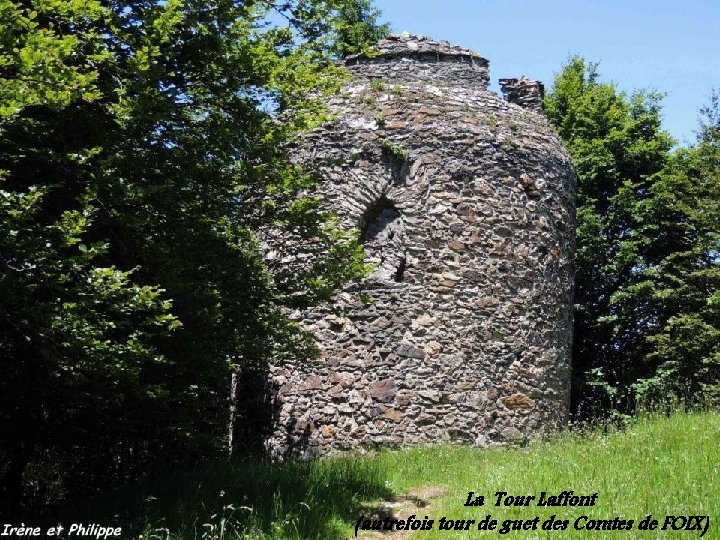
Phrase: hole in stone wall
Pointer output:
(383, 236)
(400, 272)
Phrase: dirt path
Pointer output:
(417, 501)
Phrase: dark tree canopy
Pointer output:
(646, 261)
(141, 149)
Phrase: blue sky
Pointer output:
(664, 45)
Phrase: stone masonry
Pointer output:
(465, 203)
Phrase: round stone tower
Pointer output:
(465, 203)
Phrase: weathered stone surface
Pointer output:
(313, 382)
(465, 203)
(517, 401)
(410, 351)
(433, 347)
(512, 434)
(394, 415)
(411, 58)
(523, 92)
(383, 391)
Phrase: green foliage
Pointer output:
(369, 100)
(394, 151)
(377, 85)
(33, 51)
(617, 147)
(141, 155)
(646, 259)
(682, 273)
(357, 28)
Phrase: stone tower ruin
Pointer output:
(465, 203)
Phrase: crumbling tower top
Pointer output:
(524, 92)
(411, 58)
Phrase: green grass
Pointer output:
(657, 466)
(245, 499)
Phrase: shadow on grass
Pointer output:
(304, 500)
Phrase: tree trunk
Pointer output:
(233, 413)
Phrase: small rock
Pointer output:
(512, 434)
(517, 401)
(383, 391)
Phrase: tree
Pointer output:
(681, 274)
(142, 147)
(357, 28)
(618, 148)
(647, 324)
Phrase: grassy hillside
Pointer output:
(658, 466)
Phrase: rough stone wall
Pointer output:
(466, 206)
(523, 92)
(417, 59)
